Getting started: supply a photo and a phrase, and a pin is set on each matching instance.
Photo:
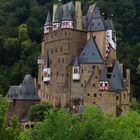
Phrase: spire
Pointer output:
(48, 20)
(75, 64)
(103, 74)
(66, 13)
(58, 14)
(109, 25)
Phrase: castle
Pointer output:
(78, 64)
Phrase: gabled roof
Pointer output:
(95, 21)
(116, 80)
(90, 53)
(75, 64)
(25, 91)
(48, 20)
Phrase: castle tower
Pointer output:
(67, 22)
(48, 24)
(57, 19)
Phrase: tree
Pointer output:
(10, 131)
(37, 112)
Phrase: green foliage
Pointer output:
(37, 112)
(93, 124)
(7, 132)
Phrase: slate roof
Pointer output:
(75, 64)
(116, 82)
(66, 13)
(48, 20)
(25, 91)
(103, 75)
(94, 20)
(58, 14)
(109, 25)
(90, 53)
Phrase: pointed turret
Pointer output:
(76, 70)
(67, 21)
(48, 24)
(46, 70)
(116, 82)
(57, 18)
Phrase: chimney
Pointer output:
(54, 10)
(78, 15)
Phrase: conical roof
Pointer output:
(75, 64)
(58, 14)
(116, 80)
(90, 53)
(48, 20)
(66, 13)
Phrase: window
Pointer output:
(93, 53)
(62, 60)
(82, 71)
(93, 85)
(75, 70)
(58, 60)
(81, 85)
(117, 98)
(61, 49)
(100, 94)
(57, 73)
(95, 94)
(96, 77)
(83, 54)
(88, 94)
(124, 96)
(93, 67)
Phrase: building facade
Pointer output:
(21, 98)
(78, 64)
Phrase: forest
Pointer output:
(21, 33)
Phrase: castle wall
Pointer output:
(20, 108)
